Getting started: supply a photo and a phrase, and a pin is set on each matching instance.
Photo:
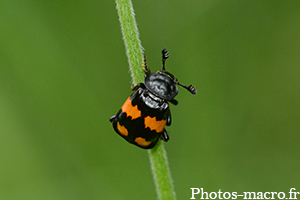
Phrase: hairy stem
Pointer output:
(158, 157)
(131, 39)
(161, 172)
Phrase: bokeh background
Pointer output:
(64, 72)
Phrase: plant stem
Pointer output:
(161, 172)
(131, 39)
(158, 157)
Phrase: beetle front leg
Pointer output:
(137, 86)
(174, 102)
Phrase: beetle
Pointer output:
(144, 115)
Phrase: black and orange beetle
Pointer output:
(142, 119)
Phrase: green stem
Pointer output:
(158, 157)
(131, 39)
(161, 172)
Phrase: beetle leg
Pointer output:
(134, 87)
(111, 119)
(137, 86)
(174, 101)
(164, 136)
(168, 118)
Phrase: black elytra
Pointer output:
(142, 118)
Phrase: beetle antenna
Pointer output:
(145, 67)
(190, 88)
(165, 55)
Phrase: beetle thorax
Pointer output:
(153, 101)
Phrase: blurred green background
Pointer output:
(64, 72)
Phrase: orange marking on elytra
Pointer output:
(131, 111)
(122, 129)
(141, 141)
(154, 124)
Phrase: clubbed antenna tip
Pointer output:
(165, 55)
(190, 88)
